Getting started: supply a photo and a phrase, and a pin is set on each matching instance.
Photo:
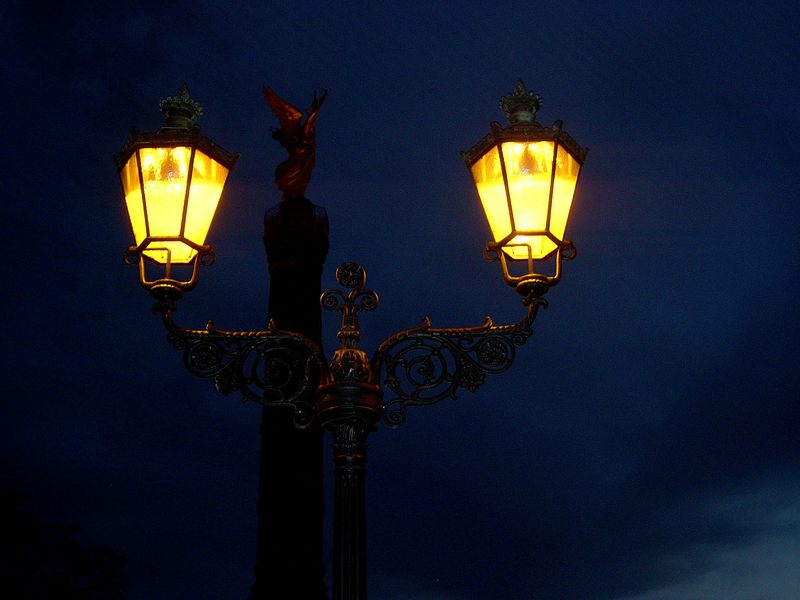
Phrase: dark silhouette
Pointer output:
(42, 560)
(290, 557)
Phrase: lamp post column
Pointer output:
(289, 557)
(349, 511)
(349, 410)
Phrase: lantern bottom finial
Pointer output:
(533, 287)
(167, 290)
(529, 284)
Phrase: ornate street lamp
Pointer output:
(172, 180)
(526, 176)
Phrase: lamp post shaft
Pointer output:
(349, 409)
(349, 520)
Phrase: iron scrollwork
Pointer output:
(424, 365)
(271, 367)
(419, 366)
(350, 363)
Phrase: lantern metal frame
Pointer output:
(521, 107)
(179, 130)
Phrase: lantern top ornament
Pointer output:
(521, 106)
(181, 110)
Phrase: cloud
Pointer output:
(765, 566)
(769, 568)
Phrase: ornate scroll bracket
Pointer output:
(271, 367)
(425, 365)
(422, 365)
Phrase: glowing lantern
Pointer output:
(172, 180)
(526, 176)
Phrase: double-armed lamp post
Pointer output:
(172, 180)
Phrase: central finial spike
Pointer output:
(520, 106)
(351, 275)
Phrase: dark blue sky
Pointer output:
(645, 444)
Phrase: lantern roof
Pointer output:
(179, 129)
(520, 107)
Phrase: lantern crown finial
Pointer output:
(181, 110)
(520, 106)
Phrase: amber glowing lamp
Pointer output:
(526, 175)
(172, 180)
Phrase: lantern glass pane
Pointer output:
(165, 172)
(488, 176)
(208, 179)
(567, 169)
(529, 171)
(129, 175)
(522, 247)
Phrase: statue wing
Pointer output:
(309, 128)
(289, 116)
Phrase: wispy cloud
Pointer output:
(767, 568)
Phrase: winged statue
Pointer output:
(293, 175)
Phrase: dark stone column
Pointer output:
(290, 555)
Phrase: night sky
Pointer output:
(644, 446)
